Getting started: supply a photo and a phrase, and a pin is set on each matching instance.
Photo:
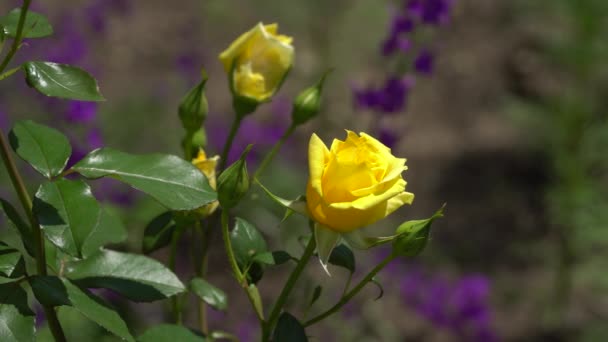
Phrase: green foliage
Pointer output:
(289, 329)
(62, 80)
(36, 25)
(193, 108)
(169, 333)
(342, 256)
(158, 232)
(16, 316)
(54, 291)
(22, 238)
(209, 293)
(172, 181)
(11, 262)
(233, 183)
(308, 103)
(247, 242)
(73, 219)
(46, 149)
(412, 236)
(136, 277)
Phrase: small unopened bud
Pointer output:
(193, 108)
(308, 103)
(233, 183)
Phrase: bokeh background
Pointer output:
(498, 105)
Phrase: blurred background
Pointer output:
(497, 105)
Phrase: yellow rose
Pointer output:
(259, 60)
(354, 183)
(207, 167)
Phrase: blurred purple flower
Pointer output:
(81, 112)
(94, 139)
(98, 11)
(391, 98)
(432, 12)
(388, 137)
(247, 329)
(460, 306)
(424, 62)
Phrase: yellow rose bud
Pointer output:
(207, 167)
(354, 183)
(258, 62)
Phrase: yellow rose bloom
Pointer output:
(258, 60)
(208, 167)
(354, 183)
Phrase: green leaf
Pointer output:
(22, 239)
(209, 293)
(46, 149)
(412, 236)
(158, 232)
(56, 291)
(136, 277)
(169, 333)
(108, 230)
(247, 242)
(316, 294)
(36, 25)
(11, 262)
(62, 80)
(281, 257)
(298, 205)
(342, 256)
(172, 181)
(289, 329)
(68, 213)
(16, 318)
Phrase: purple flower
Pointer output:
(424, 62)
(391, 98)
(432, 12)
(460, 306)
(388, 137)
(81, 112)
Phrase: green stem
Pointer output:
(18, 36)
(240, 277)
(10, 72)
(202, 272)
(345, 299)
(233, 130)
(291, 281)
(21, 190)
(175, 300)
(277, 146)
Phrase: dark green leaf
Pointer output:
(23, 238)
(316, 294)
(158, 232)
(174, 182)
(109, 229)
(56, 291)
(246, 242)
(16, 318)
(289, 329)
(62, 80)
(135, 276)
(36, 25)
(169, 333)
(281, 257)
(411, 236)
(11, 261)
(46, 149)
(342, 256)
(209, 293)
(68, 213)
